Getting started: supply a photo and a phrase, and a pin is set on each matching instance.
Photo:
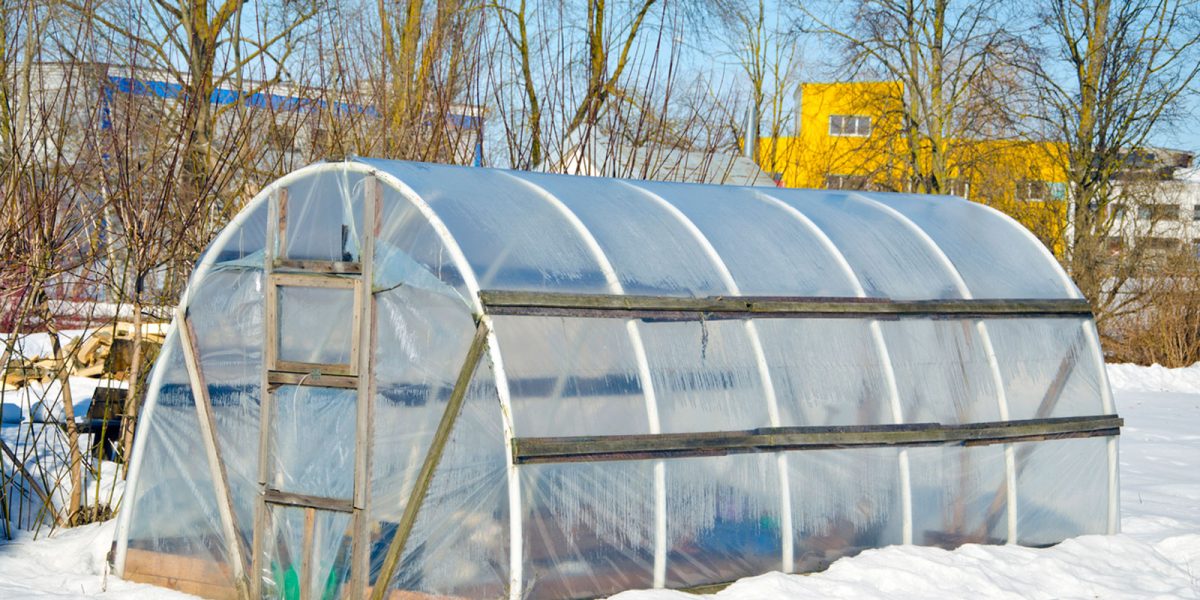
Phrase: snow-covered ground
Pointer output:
(1156, 556)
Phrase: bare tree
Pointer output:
(429, 67)
(46, 234)
(599, 60)
(1111, 75)
(764, 42)
(946, 56)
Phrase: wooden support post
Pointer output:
(364, 353)
(216, 466)
(306, 556)
(434, 456)
(275, 229)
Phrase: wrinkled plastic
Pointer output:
(489, 528)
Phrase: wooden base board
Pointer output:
(209, 579)
(191, 575)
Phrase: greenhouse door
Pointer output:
(310, 517)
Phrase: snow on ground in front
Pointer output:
(1157, 555)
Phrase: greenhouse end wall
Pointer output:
(394, 379)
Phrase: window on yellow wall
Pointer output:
(1033, 189)
(850, 125)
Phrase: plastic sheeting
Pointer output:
(488, 528)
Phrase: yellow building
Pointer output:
(850, 136)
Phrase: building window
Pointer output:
(846, 182)
(1196, 212)
(1158, 212)
(1116, 245)
(850, 125)
(1160, 244)
(1034, 189)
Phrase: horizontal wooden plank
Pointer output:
(499, 302)
(279, 498)
(312, 378)
(304, 368)
(773, 439)
(318, 266)
(315, 280)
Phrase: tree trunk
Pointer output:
(75, 456)
(133, 396)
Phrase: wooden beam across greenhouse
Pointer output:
(504, 302)
(774, 439)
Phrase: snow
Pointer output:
(1157, 555)
(38, 344)
(71, 564)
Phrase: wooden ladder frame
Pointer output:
(357, 374)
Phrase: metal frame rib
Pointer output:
(881, 350)
(764, 372)
(643, 363)
(1010, 463)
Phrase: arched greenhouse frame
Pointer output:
(402, 380)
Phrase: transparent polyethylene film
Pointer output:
(410, 252)
(681, 264)
(459, 545)
(825, 371)
(324, 217)
(972, 236)
(942, 371)
(705, 377)
(512, 235)
(783, 241)
(530, 231)
(888, 256)
(296, 463)
(959, 495)
(1062, 489)
(588, 528)
(572, 376)
(174, 502)
(315, 324)
(578, 376)
(843, 502)
(723, 518)
(422, 338)
(226, 310)
(327, 567)
(1049, 367)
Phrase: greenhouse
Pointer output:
(401, 380)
